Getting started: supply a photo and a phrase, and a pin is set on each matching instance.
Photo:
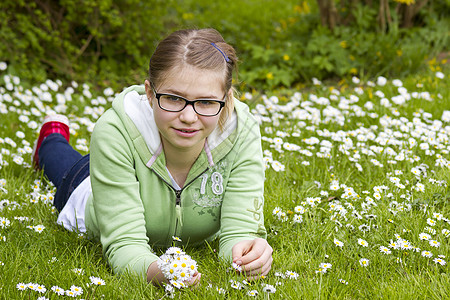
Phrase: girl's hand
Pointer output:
(155, 276)
(254, 257)
(195, 280)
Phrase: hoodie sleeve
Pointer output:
(242, 207)
(116, 199)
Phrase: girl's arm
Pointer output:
(242, 237)
(119, 210)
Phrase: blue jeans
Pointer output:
(63, 166)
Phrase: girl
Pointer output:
(178, 157)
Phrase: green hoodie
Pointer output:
(134, 206)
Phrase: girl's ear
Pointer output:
(149, 92)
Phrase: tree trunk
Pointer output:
(328, 13)
(384, 15)
(408, 12)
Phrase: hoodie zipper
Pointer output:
(178, 194)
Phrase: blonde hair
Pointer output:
(200, 48)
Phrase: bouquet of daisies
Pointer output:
(177, 266)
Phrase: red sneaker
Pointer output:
(52, 124)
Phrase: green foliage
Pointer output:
(279, 44)
(79, 40)
(360, 49)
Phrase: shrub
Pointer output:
(79, 39)
(281, 43)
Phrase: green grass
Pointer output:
(49, 258)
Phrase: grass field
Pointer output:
(357, 196)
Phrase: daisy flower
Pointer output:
(446, 232)
(4, 222)
(431, 222)
(39, 228)
(277, 211)
(270, 289)
(177, 266)
(277, 166)
(299, 209)
(321, 270)
(97, 280)
(178, 284)
(363, 243)
(278, 274)
(364, 262)
(236, 285)
(325, 266)
(76, 290)
(78, 271)
(175, 238)
(40, 289)
(430, 230)
(424, 236)
(297, 219)
(434, 243)
(385, 250)
(252, 293)
(174, 251)
(426, 253)
(291, 275)
(440, 261)
(439, 75)
(381, 81)
(32, 286)
(338, 243)
(236, 267)
(438, 216)
(364, 227)
(404, 244)
(21, 286)
(58, 290)
(169, 289)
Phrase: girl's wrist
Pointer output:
(154, 274)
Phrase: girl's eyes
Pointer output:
(206, 102)
(174, 98)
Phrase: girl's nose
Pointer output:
(188, 115)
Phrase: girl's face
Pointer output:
(185, 131)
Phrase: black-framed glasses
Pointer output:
(203, 107)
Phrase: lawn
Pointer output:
(356, 196)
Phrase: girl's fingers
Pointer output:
(256, 259)
(257, 274)
(195, 280)
(259, 261)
